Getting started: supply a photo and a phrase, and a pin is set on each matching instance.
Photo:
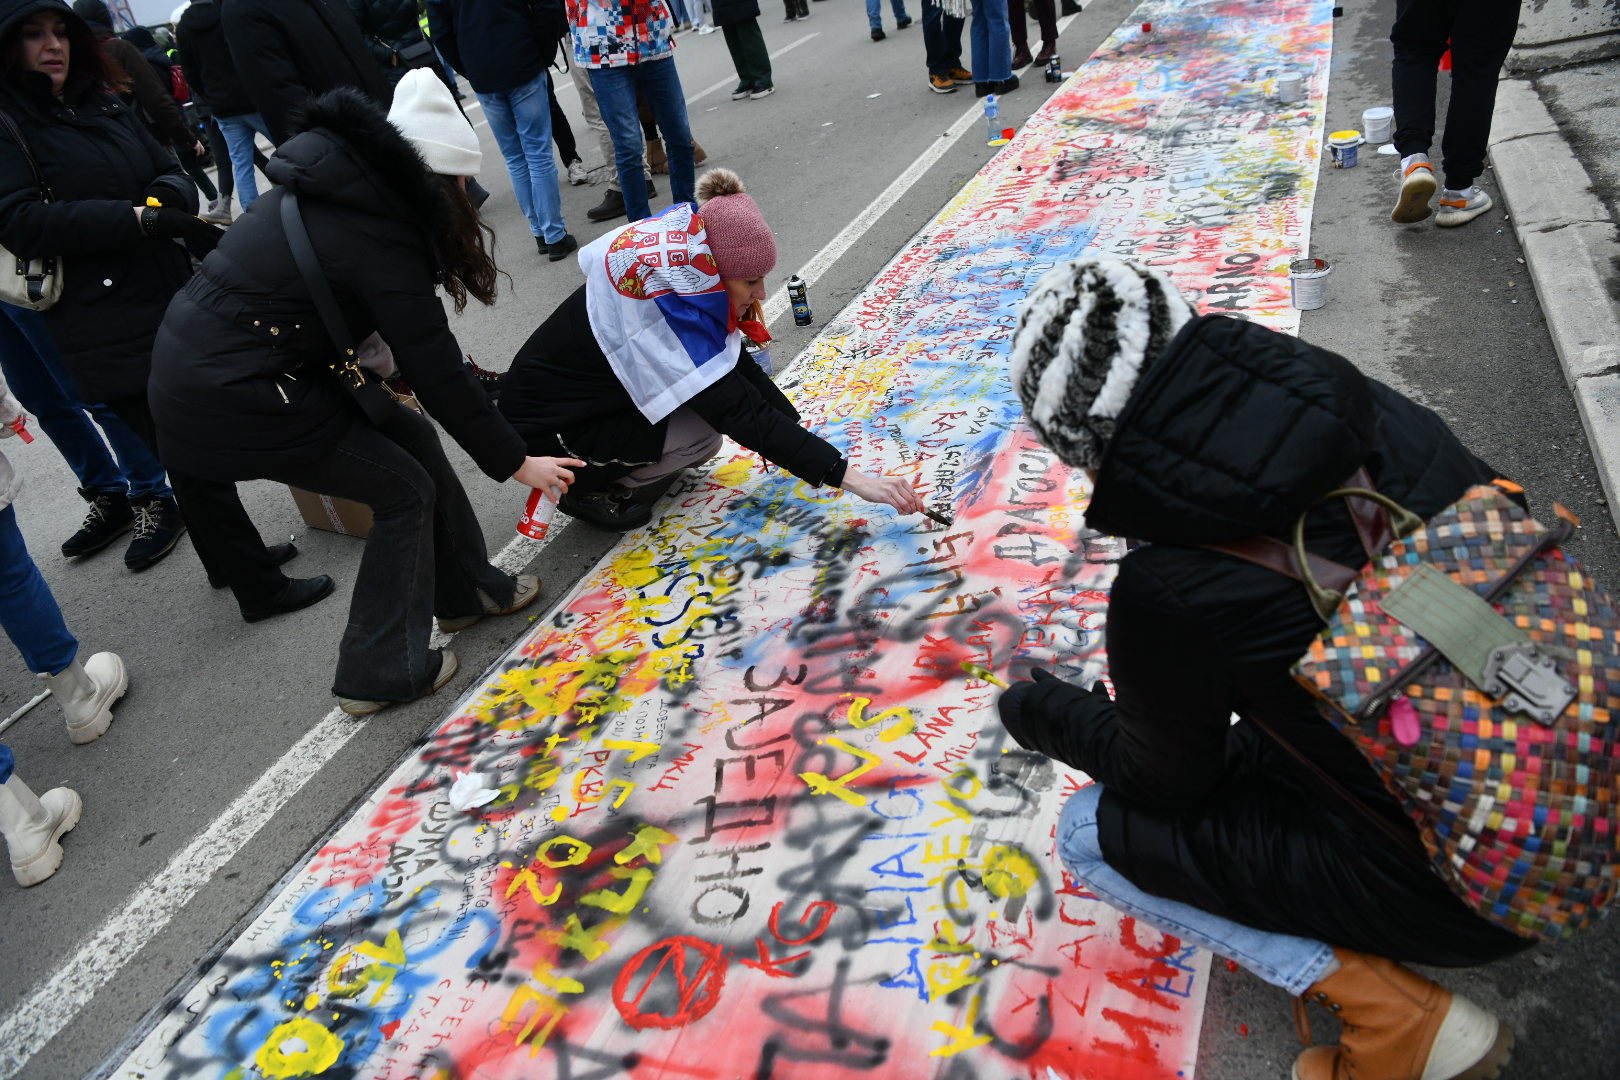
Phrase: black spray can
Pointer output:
(800, 299)
(1054, 70)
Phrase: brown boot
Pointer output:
(657, 160)
(698, 156)
(1399, 1026)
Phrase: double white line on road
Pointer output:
(54, 1003)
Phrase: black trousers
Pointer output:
(1045, 12)
(561, 133)
(1479, 33)
(749, 56)
(425, 555)
(225, 538)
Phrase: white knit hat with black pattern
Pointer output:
(1087, 331)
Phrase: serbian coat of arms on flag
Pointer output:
(658, 309)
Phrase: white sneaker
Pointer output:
(1459, 208)
(1417, 188)
(707, 29)
(578, 174)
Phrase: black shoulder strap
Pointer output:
(371, 398)
(11, 128)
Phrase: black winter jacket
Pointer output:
(564, 399)
(497, 44)
(288, 51)
(149, 92)
(240, 384)
(1237, 430)
(732, 12)
(205, 57)
(100, 162)
(387, 25)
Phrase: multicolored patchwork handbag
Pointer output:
(1476, 667)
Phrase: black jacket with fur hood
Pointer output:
(99, 161)
(1237, 430)
(240, 384)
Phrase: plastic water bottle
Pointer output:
(799, 298)
(992, 121)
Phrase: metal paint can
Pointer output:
(1290, 87)
(1308, 280)
(799, 300)
(1377, 122)
(1343, 146)
(1054, 70)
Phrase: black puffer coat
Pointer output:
(288, 51)
(240, 384)
(100, 162)
(732, 12)
(205, 57)
(563, 397)
(1235, 431)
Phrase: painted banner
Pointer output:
(754, 817)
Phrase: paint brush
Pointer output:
(982, 673)
(939, 517)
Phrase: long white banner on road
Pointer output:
(754, 819)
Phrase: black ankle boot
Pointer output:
(611, 206)
(279, 553)
(158, 527)
(295, 594)
(109, 518)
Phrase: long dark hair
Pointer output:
(84, 52)
(469, 268)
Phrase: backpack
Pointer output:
(1476, 668)
(179, 88)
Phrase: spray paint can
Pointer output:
(799, 299)
(1054, 70)
(537, 513)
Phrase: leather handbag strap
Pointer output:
(371, 398)
(11, 128)
(1372, 527)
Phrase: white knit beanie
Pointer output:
(426, 114)
(1087, 331)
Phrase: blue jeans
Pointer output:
(5, 763)
(28, 611)
(660, 84)
(520, 120)
(990, 39)
(874, 12)
(238, 132)
(1292, 963)
(678, 12)
(34, 371)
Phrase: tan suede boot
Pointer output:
(657, 160)
(1400, 1026)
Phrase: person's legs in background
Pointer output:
(563, 135)
(1045, 14)
(238, 132)
(901, 19)
(991, 45)
(752, 60)
(220, 212)
(1481, 35)
(661, 84)
(1018, 24)
(616, 98)
(942, 45)
(531, 116)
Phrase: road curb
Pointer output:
(1571, 246)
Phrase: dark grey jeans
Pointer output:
(425, 555)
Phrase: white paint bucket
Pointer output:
(1343, 146)
(1377, 124)
(1290, 87)
(1308, 278)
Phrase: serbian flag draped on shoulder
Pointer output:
(658, 309)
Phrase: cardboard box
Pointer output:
(331, 514)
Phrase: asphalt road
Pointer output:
(216, 704)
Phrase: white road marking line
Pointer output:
(54, 1003)
(706, 91)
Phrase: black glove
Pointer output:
(1040, 674)
(164, 221)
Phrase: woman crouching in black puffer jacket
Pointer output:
(243, 384)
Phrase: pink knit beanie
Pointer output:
(742, 243)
